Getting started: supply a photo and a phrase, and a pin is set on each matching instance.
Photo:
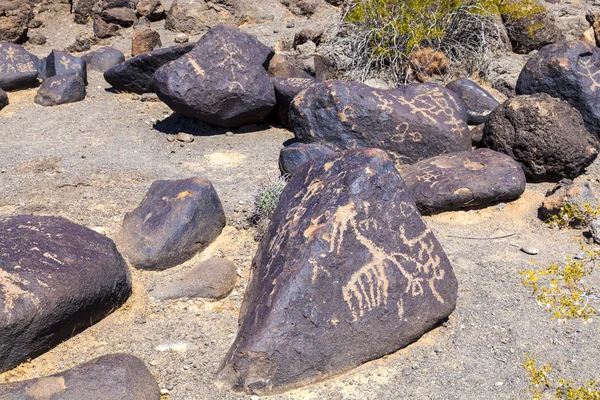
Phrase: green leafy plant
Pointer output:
(574, 215)
(563, 290)
(564, 389)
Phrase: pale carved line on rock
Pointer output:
(586, 64)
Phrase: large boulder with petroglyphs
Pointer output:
(222, 81)
(135, 74)
(347, 272)
(175, 220)
(56, 278)
(113, 376)
(18, 67)
(544, 134)
(569, 71)
(464, 179)
(414, 121)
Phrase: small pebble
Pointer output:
(181, 38)
(499, 383)
(185, 137)
(532, 251)
(164, 391)
(579, 256)
(228, 133)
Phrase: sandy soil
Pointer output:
(92, 161)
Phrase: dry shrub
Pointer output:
(423, 63)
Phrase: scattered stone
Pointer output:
(175, 220)
(144, 21)
(185, 137)
(285, 91)
(477, 134)
(149, 98)
(122, 16)
(479, 102)
(103, 59)
(182, 38)
(531, 33)
(14, 19)
(307, 35)
(301, 7)
(3, 99)
(532, 251)
(82, 43)
(34, 24)
(18, 67)
(103, 30)
(114, 376)
(414, 122)
(57, 279)
(211, 279)
(229, 134)
(196, 16)
(544, 134)
(222, 81)
(107, 4)
(135, 74)
(38, 39)
(151, 9)
(280, 67)
(346, 226)
(62, 63)
(464, 179)
(144, 39)
(568, 71)
(293, 156)
(594, 226)
(566, 192)
(60, 89)
(82, 10)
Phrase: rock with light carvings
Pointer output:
(114, 376)
(175, 220)
(222, 81)
(414, 122)
(56, 278)
(348, 272)
(464, 179)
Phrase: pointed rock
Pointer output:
(347, 272)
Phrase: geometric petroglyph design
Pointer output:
(428, 177)
(586, 65)
(402, 131)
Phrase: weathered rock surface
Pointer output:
(293, 156)
(478, 101)
(102, 29)
(122, 16)
(544, 134)
(532, 33)
(18, 67)
(414, 122)
(568, 71)
(280, 67)
(103, 59)
(3, 99)
(135, 74)
(566, 192)
(62, 63)
(60, 89)
(211, 279)
(464, 179)
(221, 81)
(285, 91)
(57, 278)
(196, 16)
(144, 39)
(347, 272)
(151, 9)
(175, 220)
(14, 19)
(82, 10)
(114, 376)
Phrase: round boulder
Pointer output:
(544, 134)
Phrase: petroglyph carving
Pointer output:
(65, 62)
(11, 289)
(402, 132)
(197, 68)
(586, 66)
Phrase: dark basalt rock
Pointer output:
(3, 99)
(478, 101)
(531, 33)
(464, 179)
(135, 74)
(222, 81)
(568, 71)
(285, 91)
(103, 59)
(102, 29)
(348, 272)
(62, 63)
(60, 89)
(296, 154)
(56, 278)
(15, 16)
(18, 67)
(544, 134)
(114, 376)
(175, 220)
(122, 16)
(414, 122)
